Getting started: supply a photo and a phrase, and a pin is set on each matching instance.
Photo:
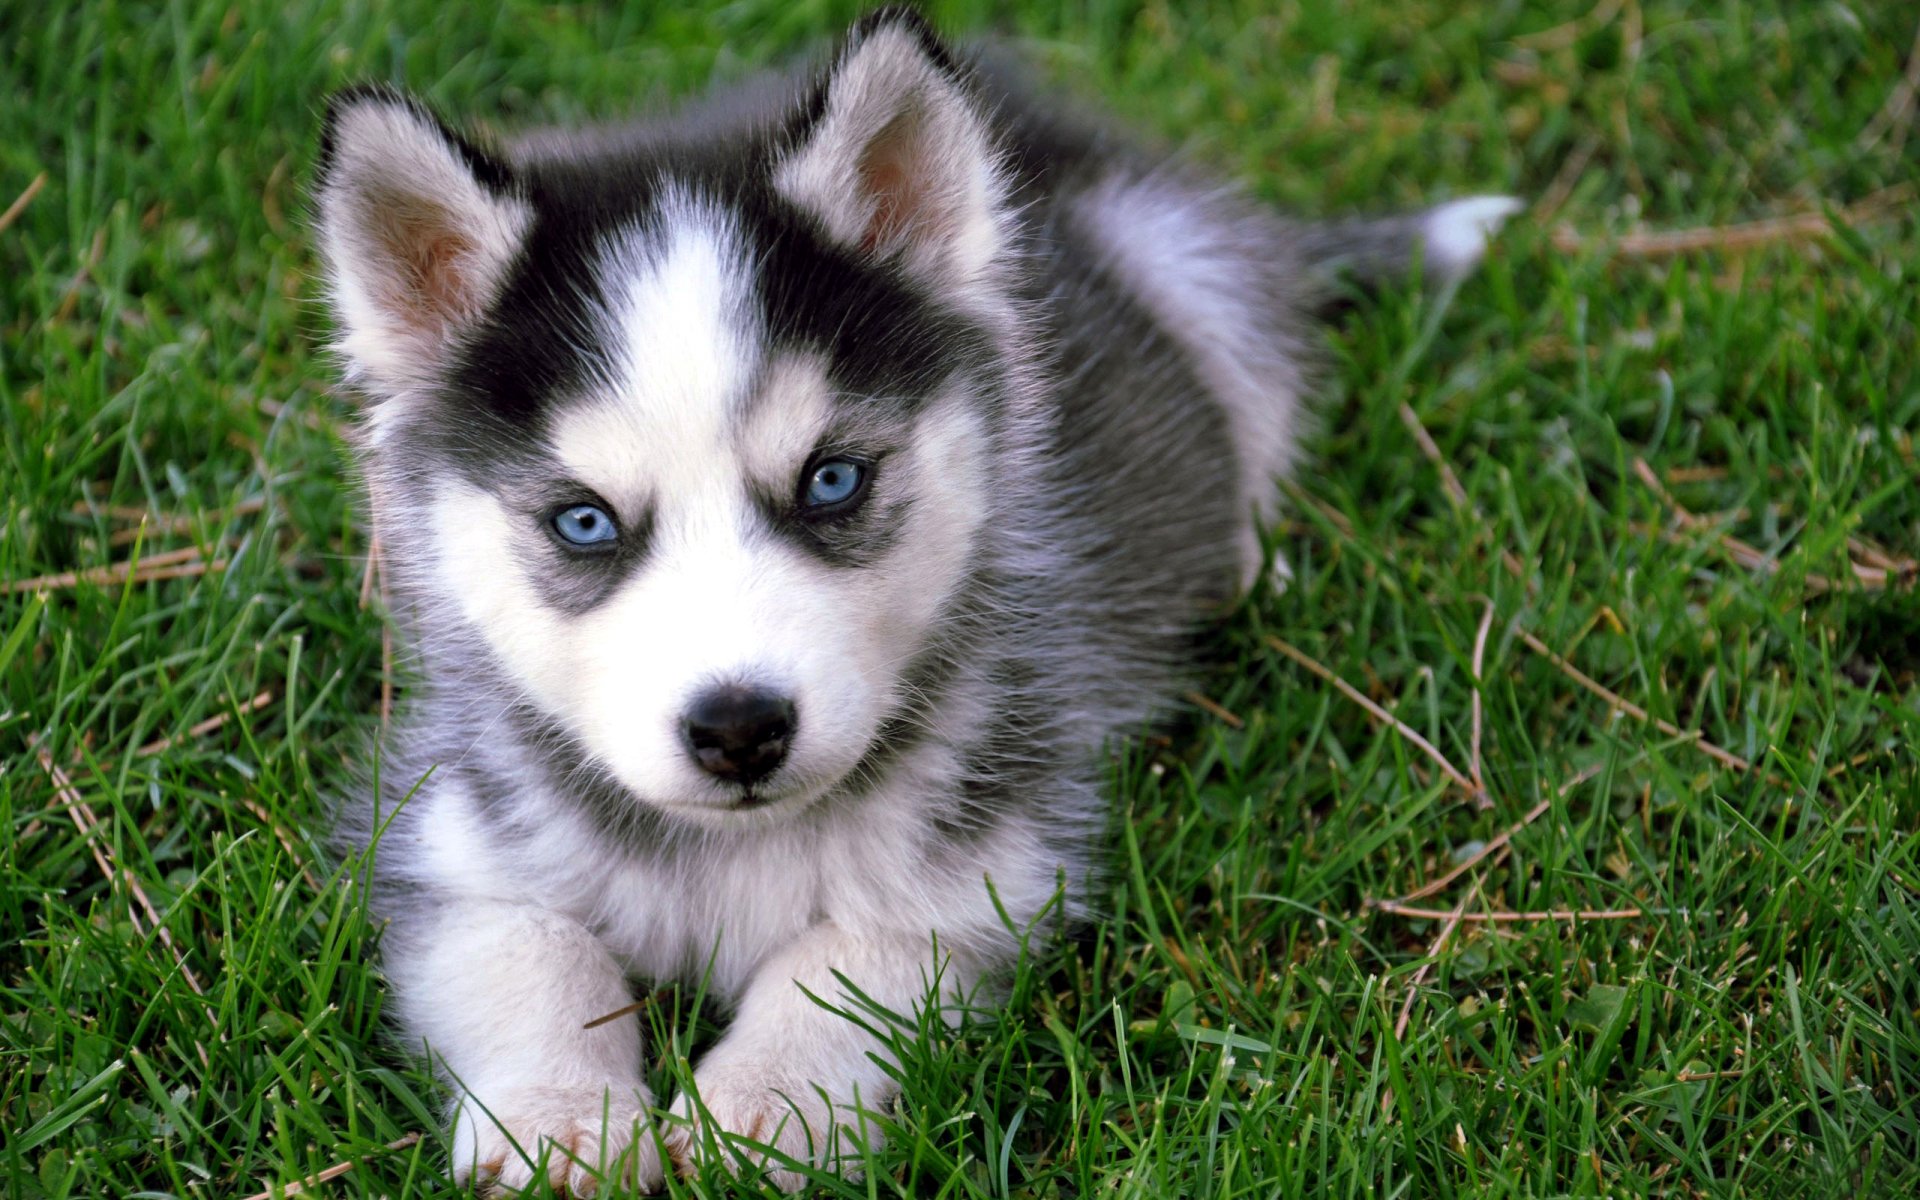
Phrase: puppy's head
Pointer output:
(689, 442)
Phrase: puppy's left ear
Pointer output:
(898, 163)
(417, 228)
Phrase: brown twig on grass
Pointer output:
(88, 823)
(1451, 482)
(172, 564)
(1877, 576)
(147, 524)
(1746, 235)
(203, 728)
(287, 843)
(1634, 710)
(1895, 116)
(1477, 714)
(298, 1186)
(21, 201)
(625, 1010)
(1499, 842)
(1433, 955)
(1503, 917)
(1199, 700)
(1401, 727)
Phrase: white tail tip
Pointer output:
(1458, 231)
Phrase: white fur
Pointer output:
(502, 992)
(685, 347)
(800, 1078)
(716, 602)
(541, 937)
(1457, 233)
(523, 912)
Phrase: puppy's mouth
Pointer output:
(758, 800)
(750, 800)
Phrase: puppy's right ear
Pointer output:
(417, 229)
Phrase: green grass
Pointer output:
(1230, 1028)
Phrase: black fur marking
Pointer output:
(544, 342)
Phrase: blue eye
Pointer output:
(834, 481)
(585, 525)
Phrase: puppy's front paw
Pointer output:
(579, 1138)
(741, 1104)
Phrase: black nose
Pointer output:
(739, 734)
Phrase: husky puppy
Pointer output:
(783, 503)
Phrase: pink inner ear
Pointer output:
(431, 287)
(896, 178)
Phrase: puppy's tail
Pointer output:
(1445, 243)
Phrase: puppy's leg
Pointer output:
(795, 1076)
(501, 994)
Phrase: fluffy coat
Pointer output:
(1065, 372)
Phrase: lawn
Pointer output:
(1611, 886)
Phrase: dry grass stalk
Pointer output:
(21, 201)
(1433, 956)
(1744, 236)
(126, 513)
(372, 567)
(1401, 727)
(1478, 714)
(91, 832)
(172, 564)
(1894, 117)
(1881, 572)
(1560, 188)
(286, 840)
(298, 1186)
(1634, 710)
(1684, 475)
(1431, 448)
(1499, 843)
(1703, 1076)
(147, 525)
(1502, 918)
(1875, 555)
(1219, 710)
(1451, 482)
(625, 1010)
(203, 728)
(1334, 516)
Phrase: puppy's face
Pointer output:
(695, 450)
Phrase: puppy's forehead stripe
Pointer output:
(684, 343)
